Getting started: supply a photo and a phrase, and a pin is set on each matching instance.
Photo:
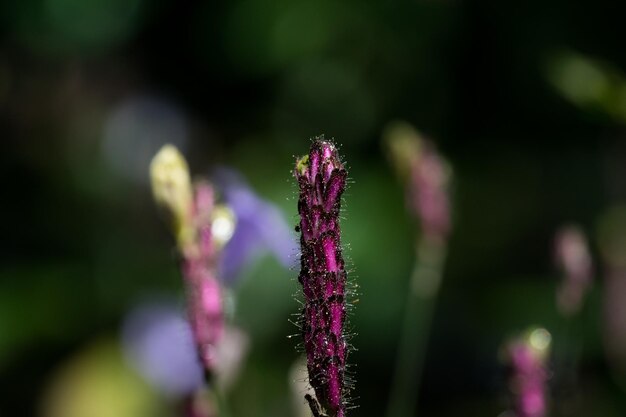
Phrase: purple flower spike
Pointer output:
(322, 180)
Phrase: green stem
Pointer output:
(419, 308)
(220, 400)
(209, 400)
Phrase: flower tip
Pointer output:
(168, 160)
(403, 144)
(171, 188)
(323, 158)
(326, 147)
(302, 165)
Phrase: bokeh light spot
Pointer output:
(540, 339)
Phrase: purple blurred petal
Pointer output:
(260, 226)
(242, 247)
(158, 343)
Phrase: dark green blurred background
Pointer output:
(526, 100)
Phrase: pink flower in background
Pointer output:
(527, 356)
(571, 254)
(426, 175)
(428, 192)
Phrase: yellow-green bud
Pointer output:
(404, 145)
(171, 187)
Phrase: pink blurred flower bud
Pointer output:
(427, 177)
(527, 355)
(197, 222)
(429, 194)
(573, 259)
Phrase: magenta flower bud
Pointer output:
(322, 180)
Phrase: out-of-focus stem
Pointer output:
(208, 401)
(221, 403)
(415, 332)
(568, 347)
(427, 177)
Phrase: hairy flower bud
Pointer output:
(322, 180)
